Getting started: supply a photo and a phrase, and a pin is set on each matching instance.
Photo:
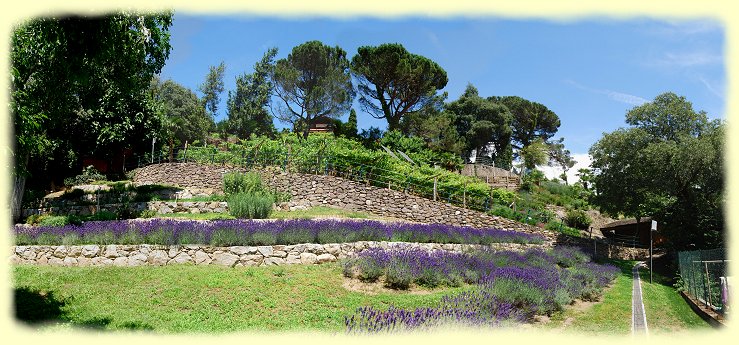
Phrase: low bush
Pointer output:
(53, 221)
(239, 232)
(75, 193)
(503, 196)
(89, 174)
(560, 227)
(236, 183)
(103, 215)
(577, 219)
(509, 285)
(250, 206)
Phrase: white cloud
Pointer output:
(711, 88)
(582, 161)
(689, 59)
(681, 28)
(614, 95)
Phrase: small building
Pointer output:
(322, 124)
(626, 230)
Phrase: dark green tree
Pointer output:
(350, 128)
(79, 87)
(184, 119)
(668, 164)
(530, 120)
(394, 82)
(485, 125)
(312, 82)
(212, 88)
(247, 106)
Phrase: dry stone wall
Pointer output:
(163, 207)
(314, 190)
(236, 256)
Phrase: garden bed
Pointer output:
(233, 256)
(259, 233)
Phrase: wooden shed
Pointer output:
(625, 229)
(321, 124)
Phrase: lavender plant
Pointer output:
(248, 232)
(509, 286)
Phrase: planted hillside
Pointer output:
(325, 154)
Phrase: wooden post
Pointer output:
(464, 195)
(435, 182)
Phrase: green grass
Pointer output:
(197, 216)
(666, 310)
(188, 298)
(313, 212)
(320, 211)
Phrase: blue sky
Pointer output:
(590, 71)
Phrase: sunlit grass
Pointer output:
(210, 299)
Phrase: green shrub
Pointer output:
(250, 206)
(104, 215)
(577, 219)
(236, 182)
(147, 213)
(560, 227)
(75, 193)
(503, 196)
(89, 174)
(398, 275)
(54, 221)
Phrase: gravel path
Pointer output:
(638, 315)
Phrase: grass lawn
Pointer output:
(320, 212)
(196, 216)
(666, 310)
(188, 298)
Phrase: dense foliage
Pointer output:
(313, 82)
(394, 82)
(78, 87)
(668, 164)
(247, 105)
(246, 232)
(510, 286)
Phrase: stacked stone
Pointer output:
(235, 256)
(314, 190)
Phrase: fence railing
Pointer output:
(704, 277)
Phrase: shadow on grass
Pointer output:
(35, 307)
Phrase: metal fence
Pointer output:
(704, 275)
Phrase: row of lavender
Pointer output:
(256, 233)
(509, 286)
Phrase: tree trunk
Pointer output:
(19, 186)
(171, 149)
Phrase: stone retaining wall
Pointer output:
(236, 256)
(163, 207)
(603, 249)
(335, 191)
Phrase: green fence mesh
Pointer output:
(702, 272)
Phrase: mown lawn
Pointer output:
(187, 298)
(666, 310)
